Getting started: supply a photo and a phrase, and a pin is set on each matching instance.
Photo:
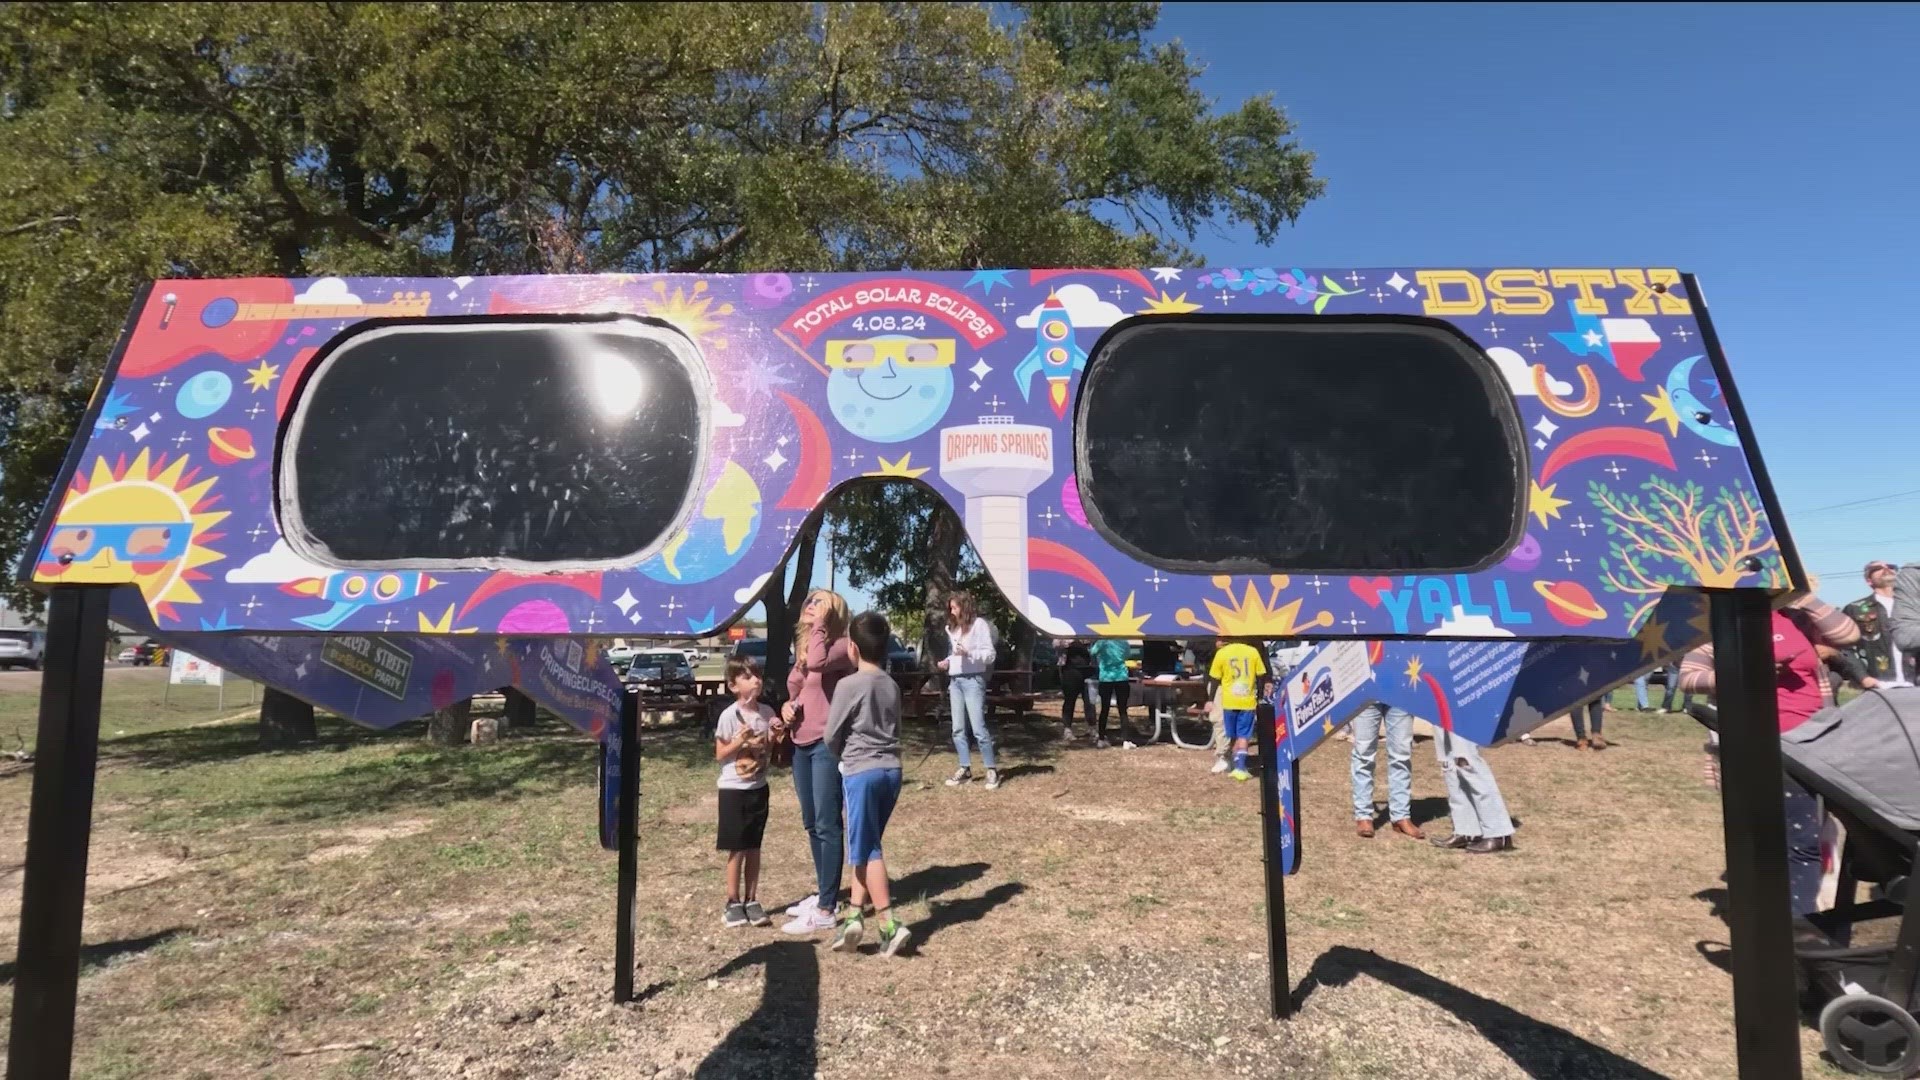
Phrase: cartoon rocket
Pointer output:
(1054, 352)
(350, 592)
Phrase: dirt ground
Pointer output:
(373, 906)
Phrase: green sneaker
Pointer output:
(893, 937)
(847, 937)
(1240, 774)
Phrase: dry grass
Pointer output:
(1101, 915)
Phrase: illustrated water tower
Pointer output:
(995, 463)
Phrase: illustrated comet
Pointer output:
(1055, 354)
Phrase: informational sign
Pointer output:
(190, 670)
(372, 661)
(1327, 678)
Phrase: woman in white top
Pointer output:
(969, 658)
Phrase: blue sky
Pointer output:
(1770, 149)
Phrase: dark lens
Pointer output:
(1248, 446)
(535, 442)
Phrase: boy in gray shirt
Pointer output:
(863, 732)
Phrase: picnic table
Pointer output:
(1166, 701)
(924, 693)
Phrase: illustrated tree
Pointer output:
(1675, 535)
(146, 141)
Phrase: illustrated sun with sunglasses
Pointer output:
(889, 388)
(134, 526)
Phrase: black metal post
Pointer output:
(1270, 825)
(629, 845)
(1766, 1017)
(59, 820)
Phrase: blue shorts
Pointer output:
(1239, 723)
(870, 796)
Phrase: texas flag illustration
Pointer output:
(1626, 343)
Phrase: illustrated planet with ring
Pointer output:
(1525, 556)
(229, 444)
(1569, 602)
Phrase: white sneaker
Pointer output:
(1099, 744)
(993, 779)
(811, 923)
(960, 776)
(1219, 766)
(805, 907)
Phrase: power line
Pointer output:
(1862, 502)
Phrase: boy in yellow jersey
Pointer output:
(1239, 675)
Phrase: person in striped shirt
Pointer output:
(1800, 631)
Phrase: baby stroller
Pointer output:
(1863, 760)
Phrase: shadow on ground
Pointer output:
(102, 953)
(779, 1038)
(1537, 1047)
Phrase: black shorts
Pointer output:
(743, 819)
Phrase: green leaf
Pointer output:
(1320, 305)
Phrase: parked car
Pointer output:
(22, 648)
(899, 657)
(620, 653)
(127, 655)
(661, 671)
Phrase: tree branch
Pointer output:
(700, 258)
(39, 223)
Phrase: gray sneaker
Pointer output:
(892, 943)
(756, 914)
(847, 938)
(993, 779)
(736, 914)
(960, 776)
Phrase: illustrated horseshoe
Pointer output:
(1584, 405)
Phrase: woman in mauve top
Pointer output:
(823, 655)
(1800, 690)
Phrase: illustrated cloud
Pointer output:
(328, 290)
(1519, 374)
(1460, 624)
(752, 592)
(278, 565)
(1038, 614)
(1084, 308)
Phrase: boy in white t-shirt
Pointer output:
(742, 743)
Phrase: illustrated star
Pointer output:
(260, 378)
(1122, 623)
(1653, 640)
(1413, 672)
(901, 467)
(1542, 504)
(1662, 410)
(1169, 305)
(219, 623)
(987, 279)
(764, 376)
(1166, 273)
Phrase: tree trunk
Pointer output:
(519, 714)
(449, 726)
(285, 720)
(944, 535)
(784, 609)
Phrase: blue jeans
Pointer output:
(816, 779)
(968, 696)
(1640, 692)
(1366, 737)
(1592, 708)
(1473, 799)
(1673, 691)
